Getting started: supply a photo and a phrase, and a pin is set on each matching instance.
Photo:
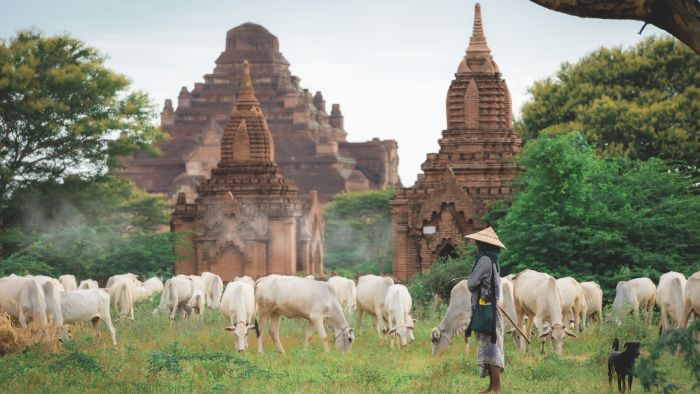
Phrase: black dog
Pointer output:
(622, 363)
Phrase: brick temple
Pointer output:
(473, 168)
(248, 218)
(310, 144)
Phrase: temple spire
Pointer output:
(246, 92)
(477, 42)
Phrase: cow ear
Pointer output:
(571, 334)
(232, 328)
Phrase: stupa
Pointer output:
(247, 218)
(473, 168)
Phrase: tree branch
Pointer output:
(681, 18)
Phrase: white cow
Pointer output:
(397, 313)
(346, 291)
(537, 297)
(290, 296)
(122, 293)
(88, 305)
(594, 302)
(692, 299)
(670, 297)
(154, 285)
(238, 305)
(196, 304)
(140, 293)
(52, 297)
(625, 301)
(214, 289)
(507, 301)
(645, 290)
(68, 281)
(88, 284)
(199, 284)
(571, 301)
(456, 318)
(23, 299)
(371, 294)
(176, 293)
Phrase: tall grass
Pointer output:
(157, 355)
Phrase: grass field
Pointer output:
(157, 355)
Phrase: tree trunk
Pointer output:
(681, 18)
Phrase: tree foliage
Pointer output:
(601, 219)
(358, 232)
(90, 228)
(60, 111)
(639, 102)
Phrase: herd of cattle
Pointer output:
(556, 307)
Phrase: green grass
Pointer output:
(157, 355)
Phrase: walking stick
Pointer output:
(527, 337)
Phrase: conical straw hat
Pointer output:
(487, 236)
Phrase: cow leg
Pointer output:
(379, 322)
(96, 326)
(261, 330)
(309, 334)
(664, 319)
(22, 318)
(321, 332)
(275, 330)
(360, 312)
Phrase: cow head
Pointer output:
(401, 330)
(344, 339)
(439, 340)
(409, 326)
(240, 331)
(556, 333)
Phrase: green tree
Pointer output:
(601, 219)
(358, 232)
(639, 102)
(60, 111)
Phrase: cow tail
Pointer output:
(257, 328)
(616, 345)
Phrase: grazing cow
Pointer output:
(196, 304)
(176, 293)
(68, 281)
(594, 302)
(23, 299)
(397, 313)
(140, 294)
(112, 279)
(507, 301)
(122, 295)
(371, 294)
(571, 301)
(52, 296)
(41, 279)
(692, 304)
(238, 305)
(214, 289)
(670, 297)
(154, 285)
(645, 290)
(199, 284)
(456, 318)
(346, 292)
(88, 284)
(290, 296)
(537, 297)
(625, 301)
(88, 305)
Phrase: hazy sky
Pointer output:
(388, 63)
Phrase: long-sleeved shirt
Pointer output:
(481, 278)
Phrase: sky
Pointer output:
(388, 63)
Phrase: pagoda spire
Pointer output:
(246, 92)
(477, 42)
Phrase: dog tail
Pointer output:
(616, 345)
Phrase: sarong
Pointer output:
(490, 353)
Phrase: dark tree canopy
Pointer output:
(640, 102)
(601, 219)
(61, 109)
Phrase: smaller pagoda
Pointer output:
(248, 219)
